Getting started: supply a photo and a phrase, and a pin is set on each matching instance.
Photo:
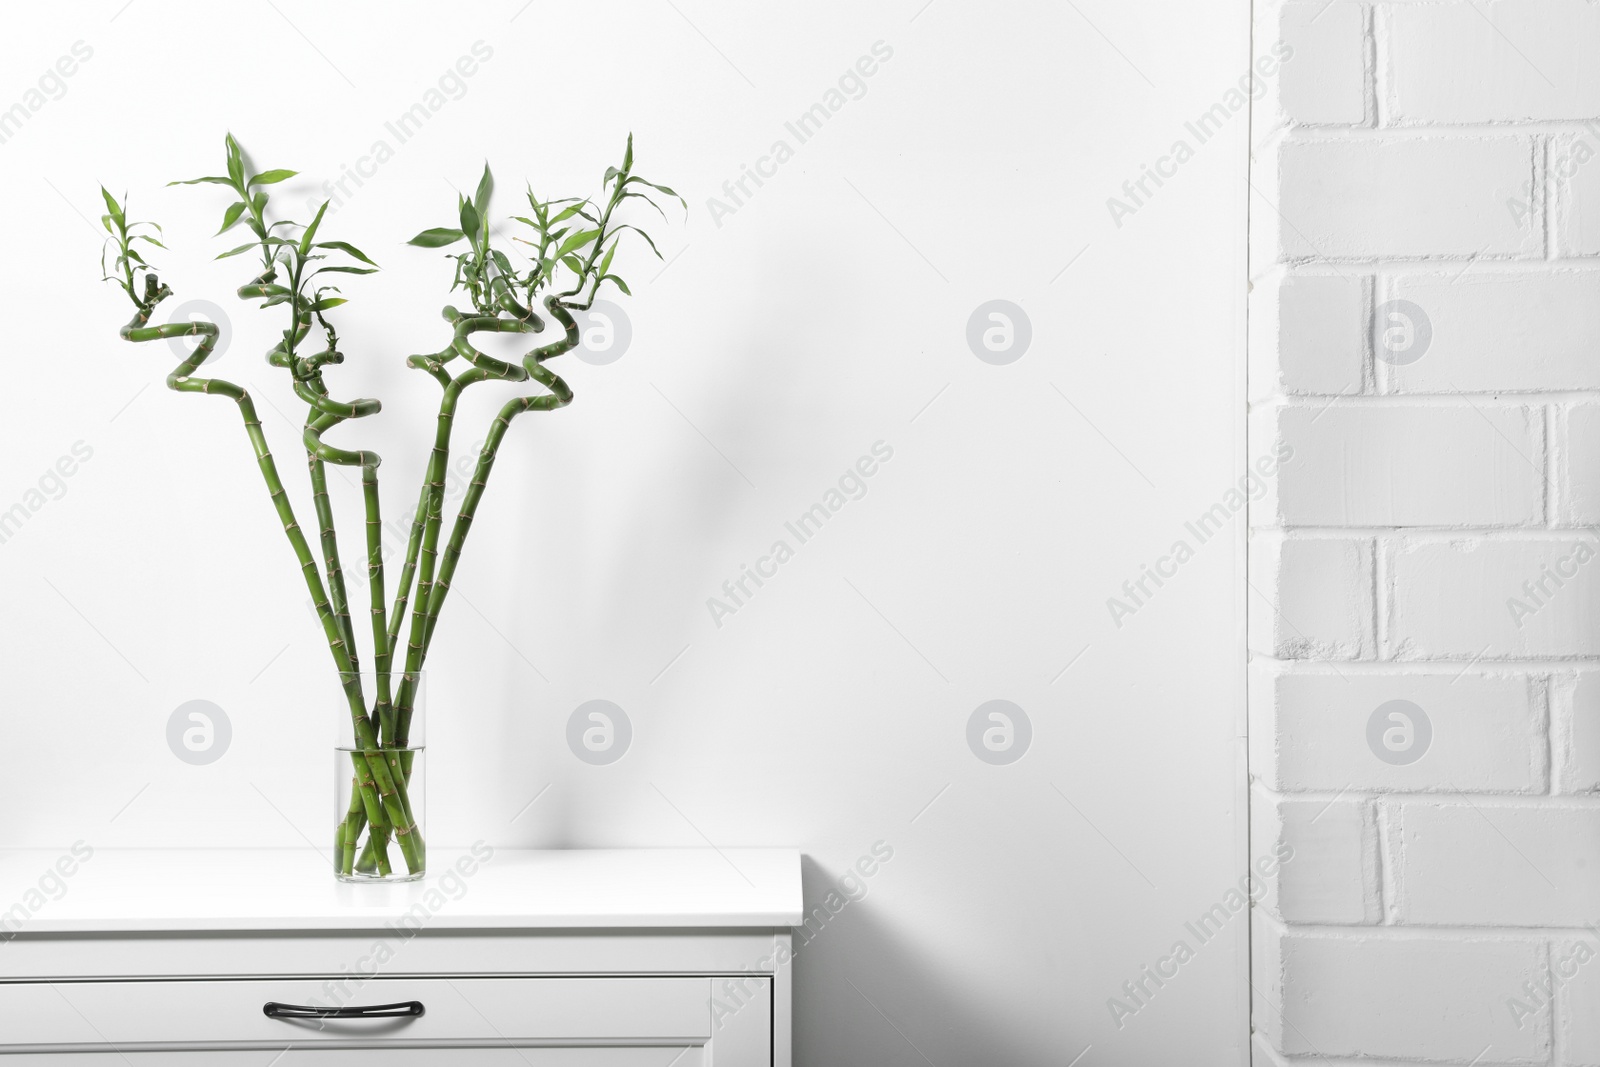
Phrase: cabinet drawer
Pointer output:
(457, 1012)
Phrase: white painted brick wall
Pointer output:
(1425, 336)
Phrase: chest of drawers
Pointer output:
(625, 958)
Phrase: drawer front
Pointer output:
(457, 1012)
(381, 1057)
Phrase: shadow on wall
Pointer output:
(864, 997)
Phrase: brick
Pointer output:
(1575, 741)
(1574, 167)
(1322, 338)
(1487, 863)
(1457, 63)
(1502, 332)
(1414, 197)
(1576, 978)
(1324, 80)
(1322, 857)
(1432, 997)
(1497, 598)
(1318, 597)
(1580, 466)
(1309, 731)
(1395, 464)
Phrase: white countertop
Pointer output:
(130, 890)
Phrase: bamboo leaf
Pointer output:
(328, 302)
(627, 156)
(620, 283)
(660, 188)
(197, 181)
(230, 218)
(605, 264)
(576, 241)
(641, 233)
(111, 202)
(567, 213)
(235, 161)
(438, 237)
(345, 246)
(574, 264)
(485, 188)
(311, 231)
(470, 221)
(344, 270)
(241, 248)
(272, 177)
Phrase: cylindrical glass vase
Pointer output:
(379, 772)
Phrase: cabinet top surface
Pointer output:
(202, 890)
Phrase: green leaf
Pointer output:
(345, 246)
(328, 302)
(235, 161)
(272, 177)
(567, 213)
(611, 172)
(241, 248)
(574, 264)
(230, 218)
(471, 222)
(485, 187)
(576, 241)
(620, 284)
(627, 157)
(438, 237)
(641, 233)
(146, 237)
(311, 231)
(211, 181)
(344, 270)
(605, 263)
(660, 188)
(111, 202)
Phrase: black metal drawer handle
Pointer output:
(273, 1010)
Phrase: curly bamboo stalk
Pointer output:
(387, 774)
(560, 395)
(181, 379)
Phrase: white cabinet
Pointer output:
(644, 958)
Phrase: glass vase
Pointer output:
(380, 773)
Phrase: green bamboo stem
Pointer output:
(389, 778)
(559, 396)
(483, 368)
(181, 379)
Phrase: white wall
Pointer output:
(828, 313)
(1441, 902)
